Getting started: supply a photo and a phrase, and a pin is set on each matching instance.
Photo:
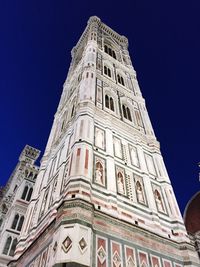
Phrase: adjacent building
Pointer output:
(103, 196)
(14, 200)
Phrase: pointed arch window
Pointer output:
(17, 222)
(126, 112)
(109, 51)
(27, 193)
(13, 247)
(19, 227)
(7, 245)
(120, 79)
(107, 71)
(109, 102)
(10, 246)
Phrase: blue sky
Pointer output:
(36, 41)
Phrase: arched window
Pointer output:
(29, 194)
(1, 222)
(15, 221)
(106, 49)
(24, 192)
(109, 102)
(120, 79)
(13, 247)
(126, 113)
(109, 51)
(107, 71)
(19, 227)
(7, 245)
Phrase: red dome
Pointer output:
(192, 214)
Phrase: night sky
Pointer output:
(36, 38)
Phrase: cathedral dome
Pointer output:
(192, 214)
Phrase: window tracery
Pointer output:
(126, 112)
(10, 246)
(108, 50)
(120, 80)
(27, 193)
(109, 102)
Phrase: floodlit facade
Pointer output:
(103, 196)
(14, 200)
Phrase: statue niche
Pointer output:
(120, 183)
(99, 173)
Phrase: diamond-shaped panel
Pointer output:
(116, 259)
(82, 243)
(101, 255)
(67, 244)
(130, 262)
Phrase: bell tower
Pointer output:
(103, 196)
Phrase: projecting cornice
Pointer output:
(95, 20)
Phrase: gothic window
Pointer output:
(29, 194)
(10, 246)
(120, 79)
(109, 102)
(1, 222)
(26, 195)
(13, 247)
(25, 192)
(7, 245)
(107, 71)
(158, 199)
(19, 227)
(139, 193)
(126, 113)
(109, 51)
(17, 222)
(15, 188)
